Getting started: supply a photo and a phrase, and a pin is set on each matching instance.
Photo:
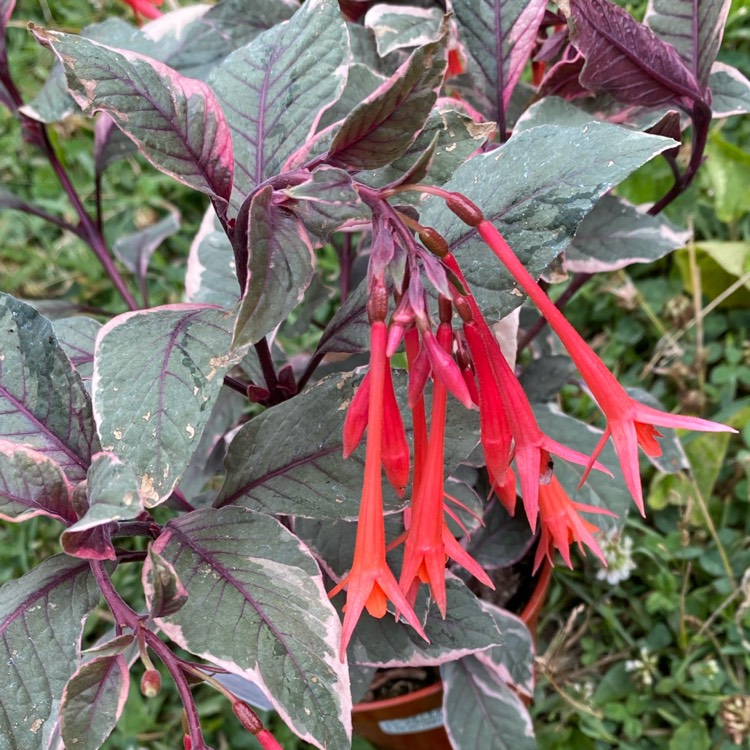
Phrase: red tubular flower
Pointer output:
(562, 525)
(395, 448)
(145, 8)
(429, 542)
(370, 582)
(629, 422)
(532, 447)
(495, 433)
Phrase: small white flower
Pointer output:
(618, 552)
(643, 669)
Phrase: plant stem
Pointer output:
(269, 371)
(90, 232)
(125, 615)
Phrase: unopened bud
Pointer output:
(377, 305)
(467, 211)
(151, 683)
(463, 308)
(445, 309)
(248, 718)
(434, 241)
(187, 742)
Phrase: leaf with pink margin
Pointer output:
(135, 250)
(514, 660)
(157, 374)
(93, 701)
(76, 336)
(41, 624)
(32, 484)
(382, 127)
(211, 275)
(402, 27)
(43, 402)
(480, 710)
(499, 36)
(466, 629)
(730, 91)
(279, 265)
(626, 59)
(111, 492)
(275, 89)
(617, 234)
(94, 542)
(165, 594)
(175, 121)
(258, 608)
(693, 27)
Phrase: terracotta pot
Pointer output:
(415, 721)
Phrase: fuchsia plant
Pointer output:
(403, 131)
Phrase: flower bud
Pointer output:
(151, 683)
(465, 209)
(248, 718)
(434, 241)
(187, 743)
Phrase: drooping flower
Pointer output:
(145, 8)
(532, 448)
(429, 542)
(370, 583)
(629, 422)
(562, 525)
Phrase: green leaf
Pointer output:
(730, 91)
(616, 234)
(499, 36)
(720, 265)
(32, 484)
(361, 81)
(467, 628)
(535, 189)
(76, 337)
(175, 121)
(135, 250)
(728, 172)
(151, 411)
(348, 331)
(402, 27)
(41, 623)
(93, 702)
(326, 201)
(458, 136)
(211, 275)
(481, 710)
(273, 90)
(514, 660)
(258, 608)
(42, 399)
(502, 540)
(279, 265)
(165, 594)
(383, 126)
(692, 735)
(693, 29)
(275, 467)
(112, 492)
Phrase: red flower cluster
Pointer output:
(469, 364)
